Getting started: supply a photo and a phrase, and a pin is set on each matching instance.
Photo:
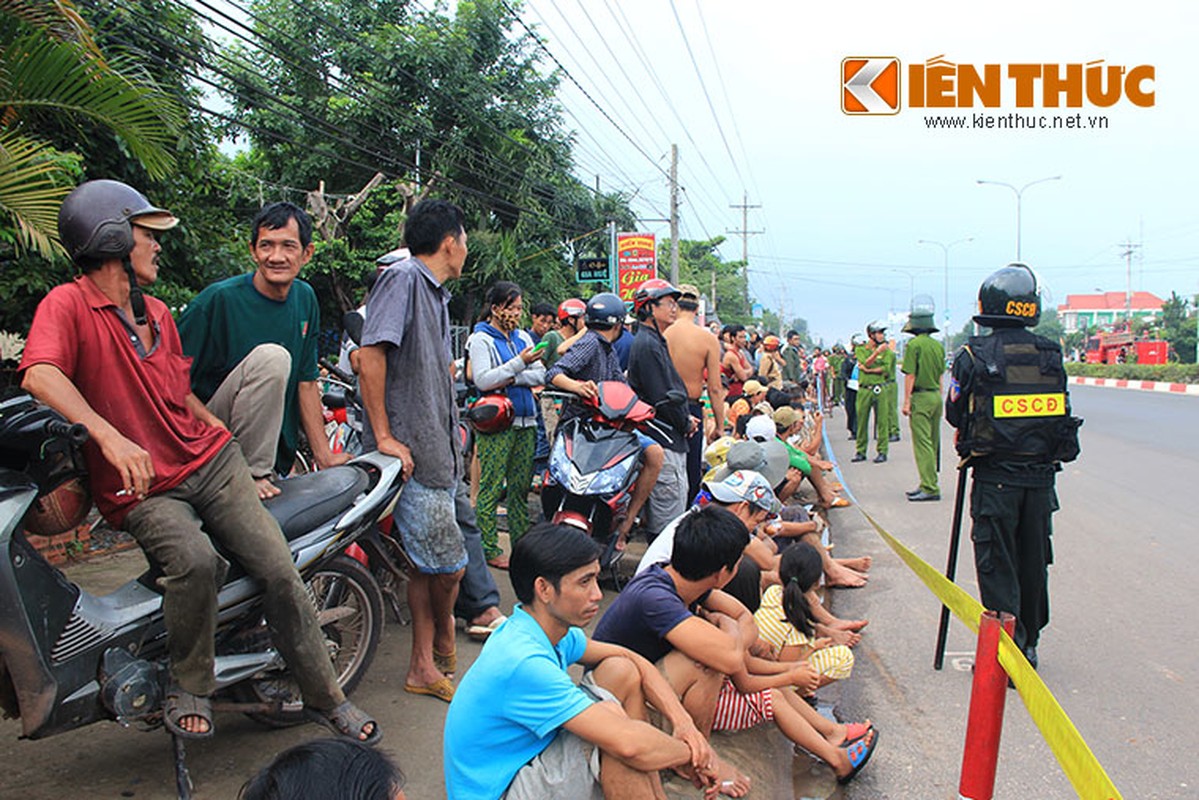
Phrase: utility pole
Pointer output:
(745, 233)
(674, 214)
(1129, 249)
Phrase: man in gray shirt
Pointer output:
(409, 399)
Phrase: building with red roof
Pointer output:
(1089, 311)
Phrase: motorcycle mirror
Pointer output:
(352, 322)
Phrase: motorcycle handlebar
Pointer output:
(336, 370)
(76, 433)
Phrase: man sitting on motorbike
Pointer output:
(589, 361)
(161, 466)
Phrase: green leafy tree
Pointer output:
(701, 265)
(1178, 326)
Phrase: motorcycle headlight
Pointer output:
(612, 480)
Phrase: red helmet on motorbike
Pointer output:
(572, 307)
(491, 413)
(651, 292)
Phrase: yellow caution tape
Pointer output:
(1076, 759)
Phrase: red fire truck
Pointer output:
(1120, 347)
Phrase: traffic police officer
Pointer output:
(876, 361)
(923, 364)
(1008, 400)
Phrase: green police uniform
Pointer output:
(924, 358)
(836, 361)
(889, 412)
(870, 392)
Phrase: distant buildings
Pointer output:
(1089, 311)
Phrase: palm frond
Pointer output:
(37, 72)
(59, 18)
(32, 187)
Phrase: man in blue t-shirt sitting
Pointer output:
(519, 727)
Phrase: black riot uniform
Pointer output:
(1009, 403)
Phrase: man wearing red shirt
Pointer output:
(161, 466)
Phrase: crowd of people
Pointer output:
(722, 628)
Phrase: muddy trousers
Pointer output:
(219, 503)
(1013, 551)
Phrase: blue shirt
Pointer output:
(590, 358)
(647, 609)
(509, 706)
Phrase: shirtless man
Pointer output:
(696, 355)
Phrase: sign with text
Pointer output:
(636, 262)
(591, 270)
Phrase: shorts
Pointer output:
(568, 769)
(668, 499)
(736, 711)
(428, 526)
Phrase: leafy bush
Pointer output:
(1168, 373)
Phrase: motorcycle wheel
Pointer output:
(350, 608)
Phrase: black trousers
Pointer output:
(1013, 550)
(851, 410)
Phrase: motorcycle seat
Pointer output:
(307, 501)
(335, 397)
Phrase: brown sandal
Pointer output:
(181, 704)
(347, 720)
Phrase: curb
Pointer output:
(1144, 386)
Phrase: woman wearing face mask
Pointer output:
(502, 360)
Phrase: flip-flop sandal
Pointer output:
(859, 755)
(446, 662)
(347, 720)
(442, 689)
(480, 632)
(855, 731)
(180, 704)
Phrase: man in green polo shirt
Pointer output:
(876, 361)
(923, 364)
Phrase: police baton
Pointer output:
(952, 567)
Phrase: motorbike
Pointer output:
(594, 462)
(69, 658)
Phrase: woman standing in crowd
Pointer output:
(502, 361)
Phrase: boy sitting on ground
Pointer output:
(519, 727)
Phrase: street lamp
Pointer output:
(945, 253)
(1019, 193)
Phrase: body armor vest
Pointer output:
(1019, 406)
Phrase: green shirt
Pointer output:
(886, 362)
(792, 370)
(229, 319)
(924, 357)
(550, 354)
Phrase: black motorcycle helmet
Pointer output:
(605, 311)
(1009, 298)
(95, 224)
(96, 220)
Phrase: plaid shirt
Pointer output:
(591, 358)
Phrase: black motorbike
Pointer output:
(69, 658)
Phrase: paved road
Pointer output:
(1119, 654)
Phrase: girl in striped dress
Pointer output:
(785, 618)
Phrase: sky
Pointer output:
(845, 199)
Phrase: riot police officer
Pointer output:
(1008, 400)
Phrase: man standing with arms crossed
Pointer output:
(696, 355)
(876, 360)
(408, 394)
(923, 364)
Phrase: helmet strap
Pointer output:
(137, 300)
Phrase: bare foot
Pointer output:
(842, 577)
(266, 489)
(849, 624)
(847, 638)
(731, 782)
(859, 564)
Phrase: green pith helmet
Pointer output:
(920, 320)
(1009, 297)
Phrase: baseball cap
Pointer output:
(769, 458)
(785, 417)
(760, 428)
(688, 290)
(745, 486)
(752, 387)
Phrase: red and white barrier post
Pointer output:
(985, 722)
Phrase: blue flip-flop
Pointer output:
(859, 754)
